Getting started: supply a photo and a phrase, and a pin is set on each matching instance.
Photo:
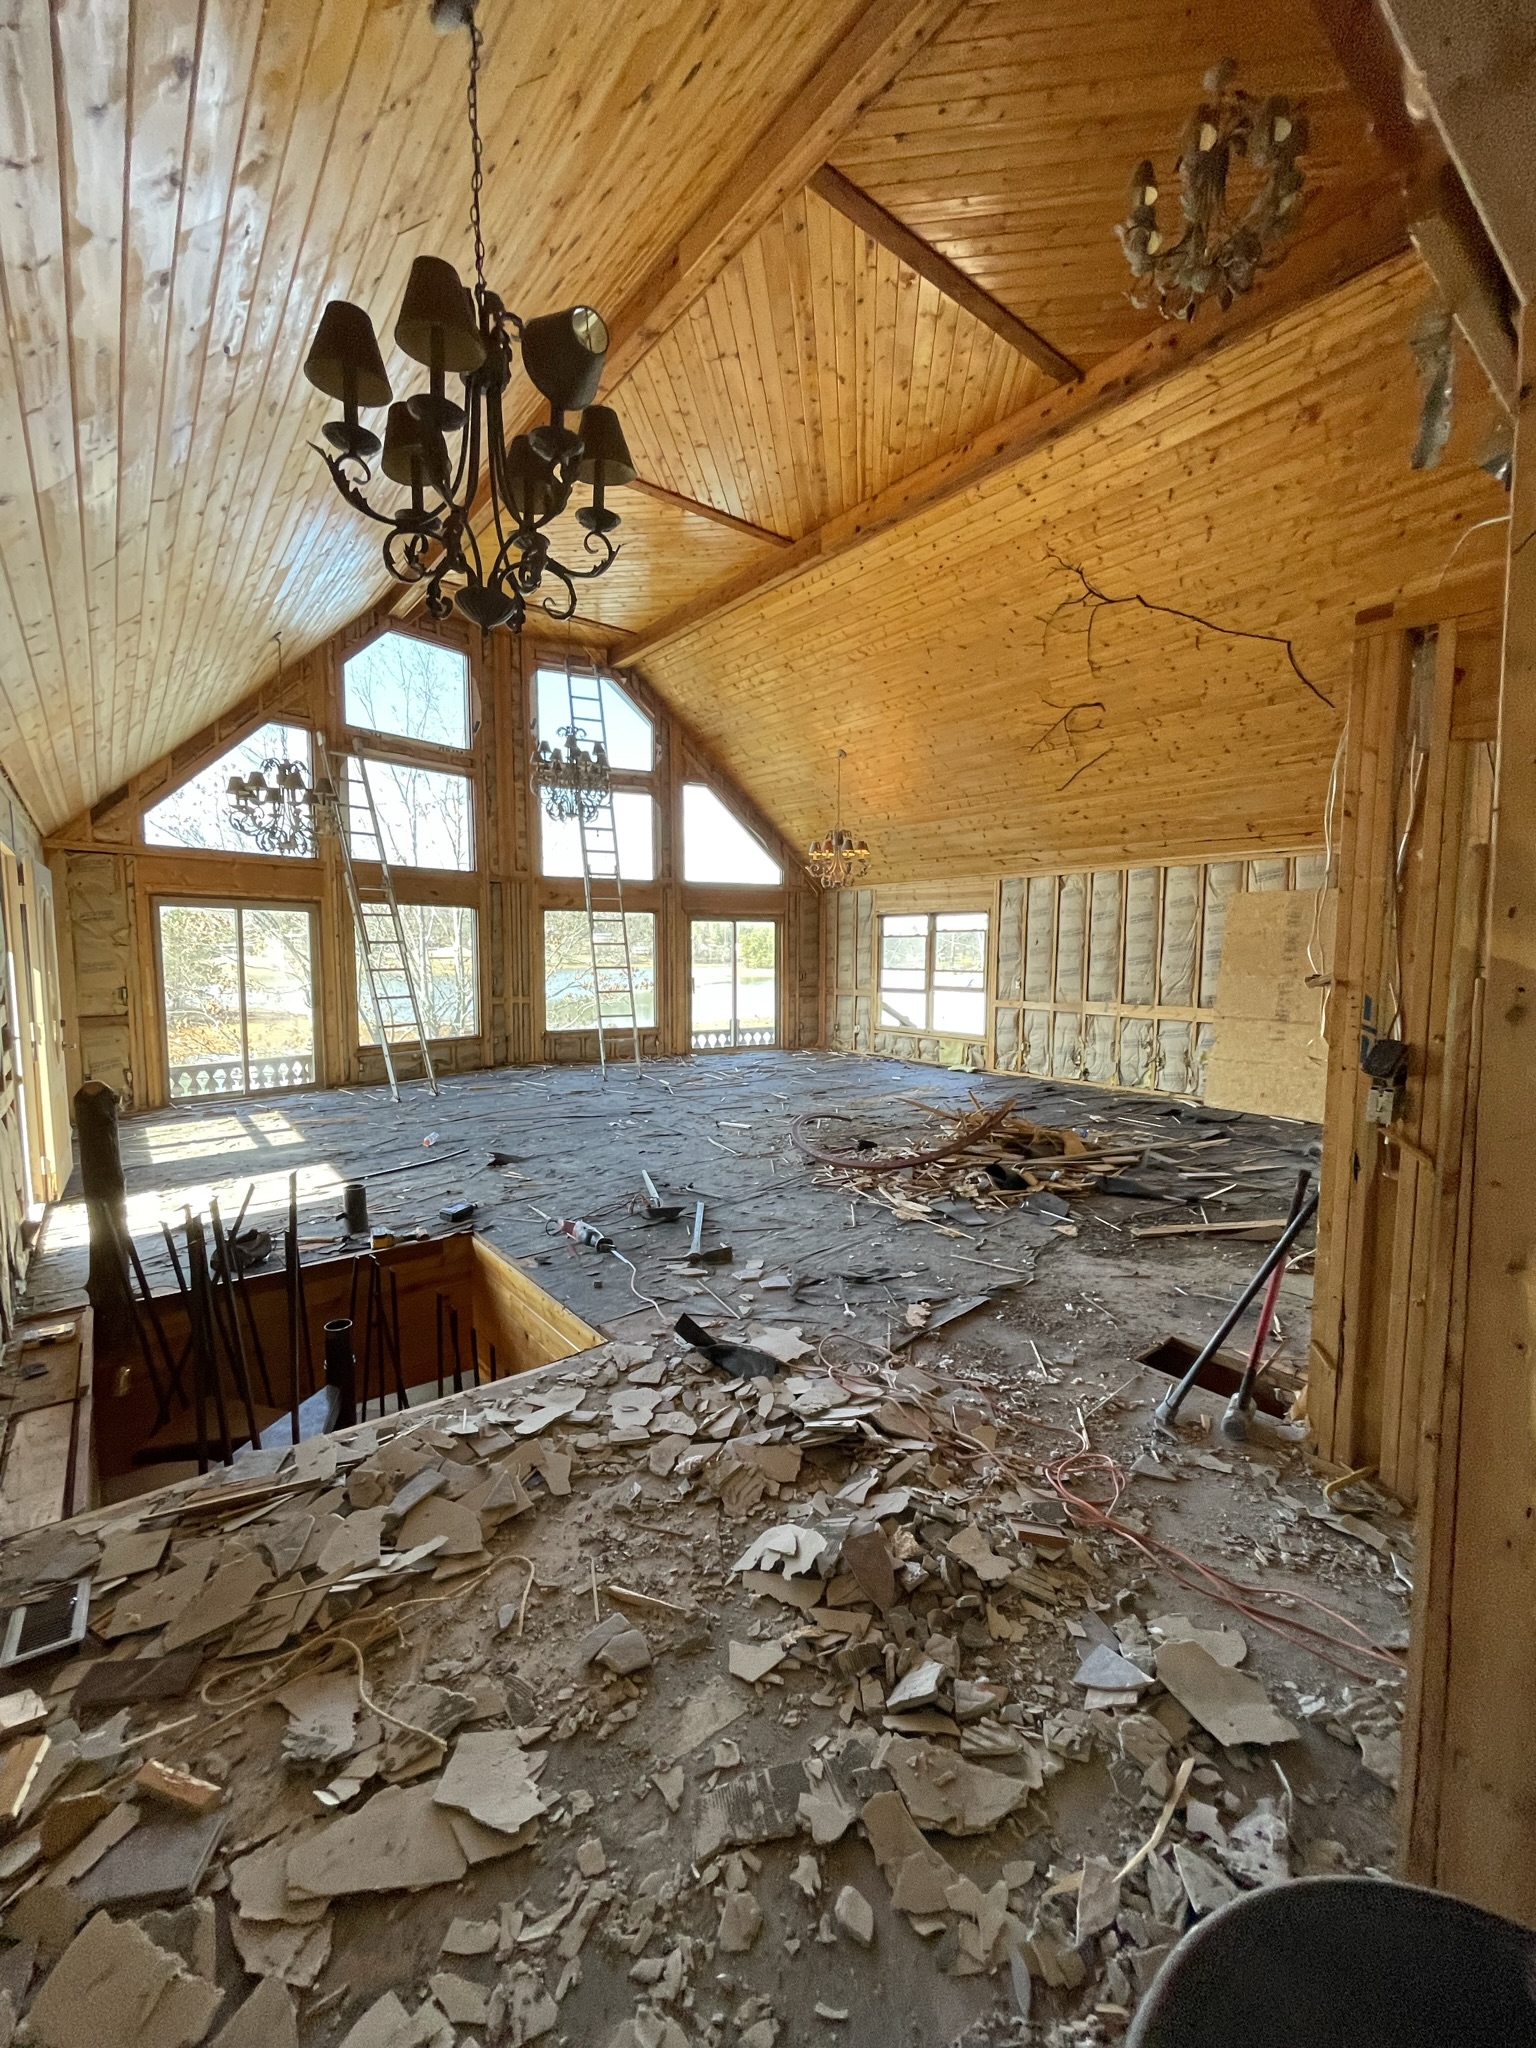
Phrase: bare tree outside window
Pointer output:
(414, 688)
(441, 940)
(424, 815)
(197, 814)
(570, 999)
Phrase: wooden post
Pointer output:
(106, 1209)
(1471, 1821)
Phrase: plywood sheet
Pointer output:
(1268, 1053)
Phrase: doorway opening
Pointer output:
(237, 984)
(734, 982)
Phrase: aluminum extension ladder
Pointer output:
(613, 971)
(381, 943)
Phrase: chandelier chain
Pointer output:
(477, 155)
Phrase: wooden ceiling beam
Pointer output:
(879, 46)
(1450, 237)
(702, 511)
(871, 218)
(1345, 249)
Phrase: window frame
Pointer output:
(546, 910)
(408, 903)
(928, 1029)
(191, 899)
(370, 739)
(460, 766)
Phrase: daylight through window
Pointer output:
(634, 825)
(570, 993)
(440, 940)
(626, 730)
(933, 973)
(424, 816)
(717, 847)
(197, 814)
(414, 688)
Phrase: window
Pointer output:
(570, 991)
(933, 973)
(424, 815)
(717, 847)
(440, 942)
(563, 701)
(734, 986)
(634, 825)
(415, 688)
(197, 813)
(239, 998)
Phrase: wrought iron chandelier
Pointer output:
(572, 783)
(274, 807)
(1216, 255)
(838, 858)
(514, 488)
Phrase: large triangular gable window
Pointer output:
(197, 814)
(717, 847)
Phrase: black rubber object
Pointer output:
(1344, 1962)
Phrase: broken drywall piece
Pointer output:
(868, 1556)
(266, 2020)
(1105, 1670)
(1098, 1898)
(400, 1841)
(977, 1555)
(470, 1937)
(826, 1813)
(1205, 1886)
(322, 1718)
(113, 1988)
(271, 1948)
(488, 1777)
(789, 1547)
(1228, 1704)
(1224, 1644)
(259, 1883)
(386, 2024)
(855, 1915)
(754, 1661)
(128, 1552)
(220, 1604)
(486, 1845)
(946, 1792)
(1257, 1847)
(741, 1920)
(463, 2002)
(919, 1688)
(439, 1517)
(156, 1603)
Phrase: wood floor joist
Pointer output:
(1347, 249)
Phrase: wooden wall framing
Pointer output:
(111, 880)
(1416, 819)
(1105, 975)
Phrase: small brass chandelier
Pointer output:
(837, 858)
(514, 488)
(572, 782)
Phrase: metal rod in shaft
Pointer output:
(1166, 1411)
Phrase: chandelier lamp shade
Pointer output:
(479, 503)
(838, 858)
(572, 782)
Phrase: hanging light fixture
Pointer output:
(837, 858)
(515, 488)
(274, 806)
(1219, 253)
(572, 782)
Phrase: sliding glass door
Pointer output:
(238, 987)
(735, 982)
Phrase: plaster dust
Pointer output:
(712, 1918)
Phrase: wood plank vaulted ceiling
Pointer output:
(183, 184)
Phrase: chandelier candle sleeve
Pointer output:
(474, 528)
